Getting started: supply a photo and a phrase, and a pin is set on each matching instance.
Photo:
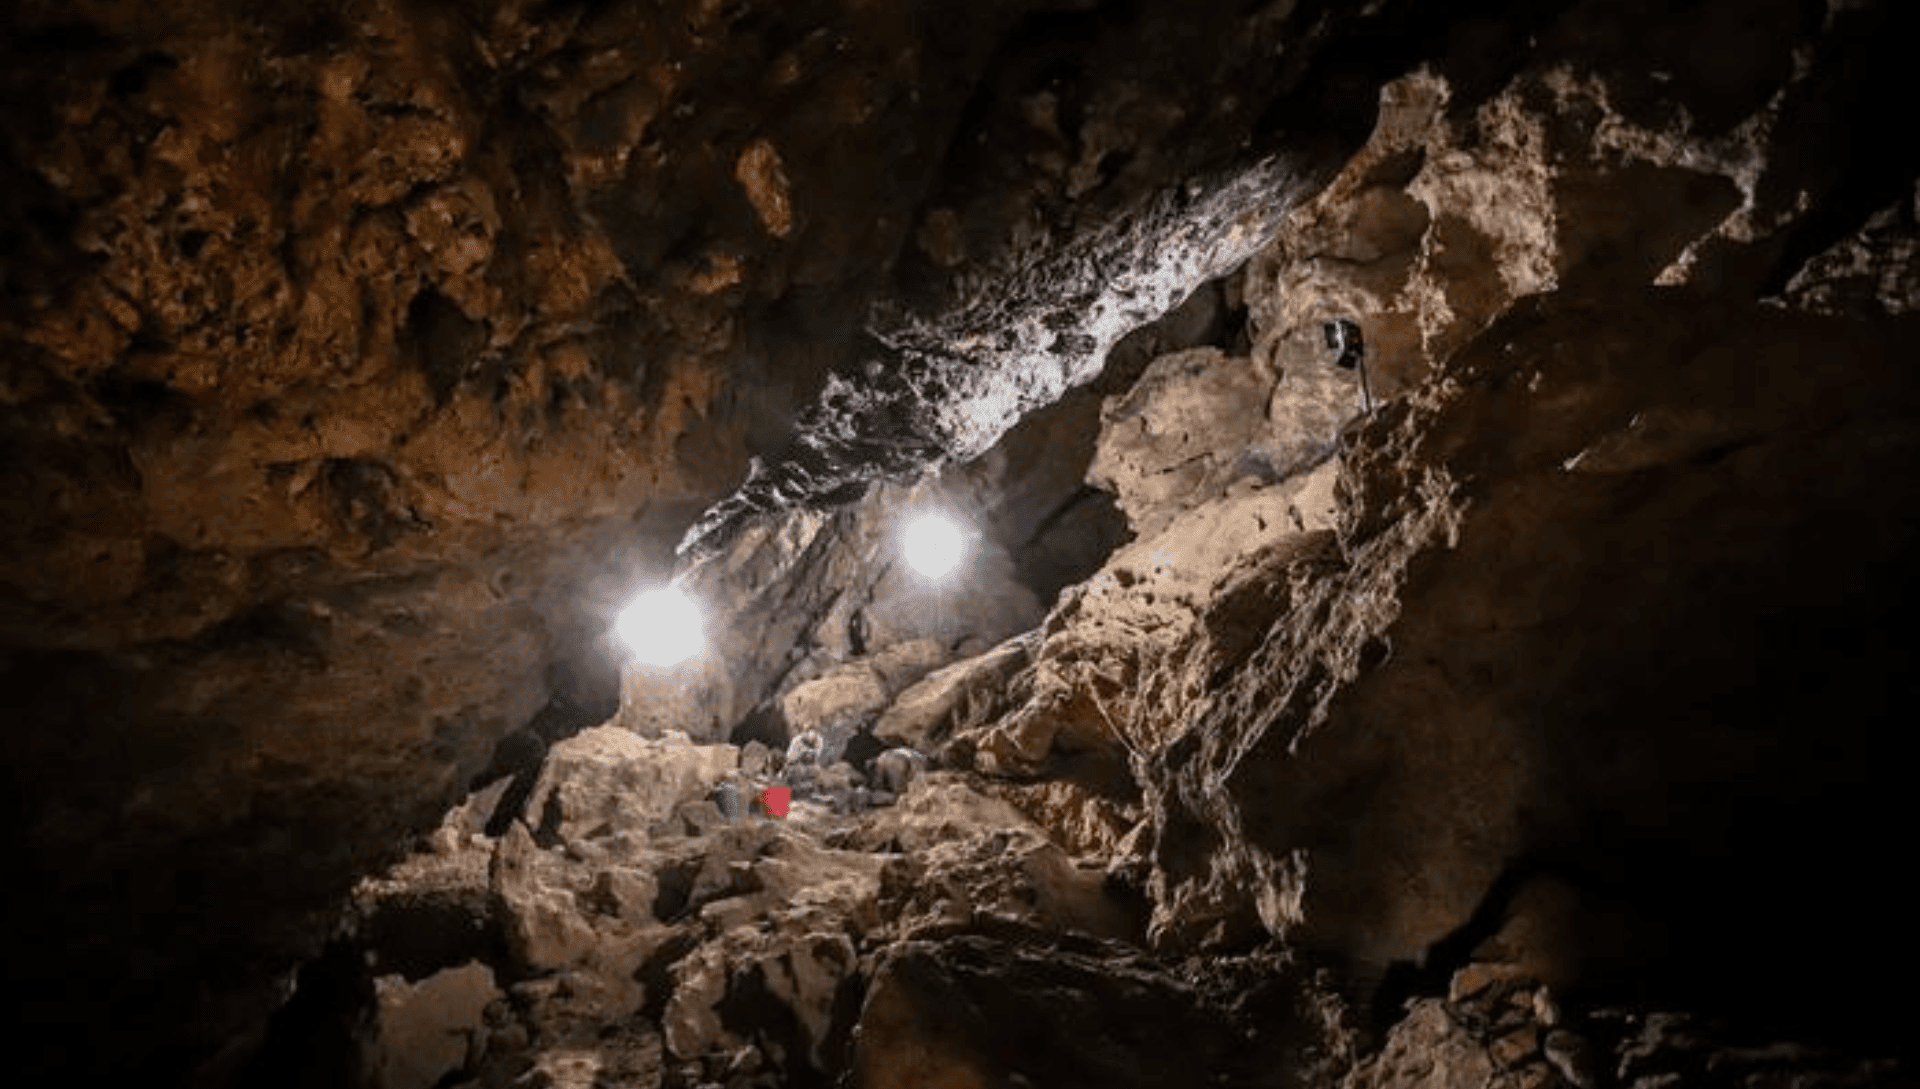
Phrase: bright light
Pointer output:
(661, 627)
(932, 544)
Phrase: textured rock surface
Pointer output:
(1722, 531)
(687, 948)
(1513, 1034)
(1197, 424)
(361, 358)
(606, 780)
(430, 1029)
(815, 620)
(972, 1011)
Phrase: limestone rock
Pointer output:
(430, 912)
(973, 1010)
(756, 760)
(838, 587)
(361, 362)
(1279, 808)
(896, 769)
(835, 704)
(1874, 272)
(358, 361)
(607, 780)
(545, 929)
(1426, 1050)
(1199, 422)
(973, 856)
(1128, 653)
(901, 664)
(951, 700)
(691, 1024)
(427, 1030)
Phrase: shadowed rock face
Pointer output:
(361, 358)
(1644, 691)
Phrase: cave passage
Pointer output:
(704, 543)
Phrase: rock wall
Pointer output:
(361, 358)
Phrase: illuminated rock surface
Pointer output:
(363, 359)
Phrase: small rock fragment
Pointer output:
(1572, 1056)
(1545, 1009)
(756, 760)
(897, 767)
(1515, 1047)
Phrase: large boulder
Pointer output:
(607, 780)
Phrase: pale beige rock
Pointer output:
(542, 899)
(1127, 652)
(952, 699)
(1198, 422)
(1446, 217)
(608, 780)
(426, 1030)
(895, 769)
(798, 955)
(940, 807)
(904, 663)
(852, 689)
(1430, 627)
(690, 1025)
(838, 587)
(544, 927)
(976, 856)
(805, 973)
(835, 704)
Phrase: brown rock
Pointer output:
(430, 1029)
(974, 1011)
(950, 700)
(606, 780)
(835, 704)
(1429, 1050)
(1199, 422)
(1345, 661)
(360, 360)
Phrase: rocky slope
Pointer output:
(1517, 708)
(646, 929)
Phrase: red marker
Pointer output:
(776, 799)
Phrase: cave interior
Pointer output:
(1433, 500)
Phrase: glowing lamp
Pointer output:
(932, 544)
(661, 627)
